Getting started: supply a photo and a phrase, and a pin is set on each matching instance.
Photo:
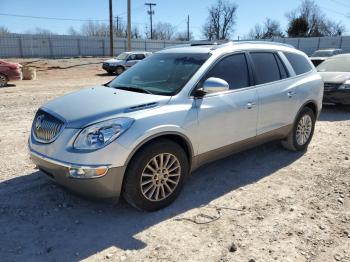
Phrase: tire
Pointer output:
(119, 70)
(304, 123)
(110, 72)
(140, 180)
(3, 80)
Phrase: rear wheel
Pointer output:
(155, 175)
(3, 80)
(302, 132)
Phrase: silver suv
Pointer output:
(141, 135)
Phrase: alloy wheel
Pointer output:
(304, 130)
(160, 177)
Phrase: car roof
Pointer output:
(328, 49)
(206, 47)
(136, 52)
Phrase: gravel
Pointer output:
(280, 187)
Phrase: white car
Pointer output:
(124, 61)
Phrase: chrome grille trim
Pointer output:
(46, 127)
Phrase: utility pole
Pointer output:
(129, 25)
(151, 13)
(117, 24)
(188, 28)
(111, 27)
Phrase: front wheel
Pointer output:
(3, 80)
(155, 175)
(302, 132)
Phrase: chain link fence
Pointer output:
(51, 46)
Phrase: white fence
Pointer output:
(24, 45)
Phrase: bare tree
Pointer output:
(72, 31)
(271, 28)
(135, 32)
(91, 28)
(221, 20)
(39, 31)
(4, 30)
(256, 32)
(182, 36)
(163, 31)
(317, 22)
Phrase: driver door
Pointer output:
(227, 117)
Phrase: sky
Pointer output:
(249, 13)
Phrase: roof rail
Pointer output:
(263, 42)
(208, 42)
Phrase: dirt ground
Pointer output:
(266, 204)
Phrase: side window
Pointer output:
(140, 56)
(132, 57)
(299, 63)
(233, 69)
(283, 71)
(266, 67)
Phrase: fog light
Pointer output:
(87, 172)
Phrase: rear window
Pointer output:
(299, 63)
(266, 67)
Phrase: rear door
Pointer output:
(276, 91)
(230, 116)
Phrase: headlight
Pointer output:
(101, 134)
(345, 86)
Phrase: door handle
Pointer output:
(291, 94)
(250, 105)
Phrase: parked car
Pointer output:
(321, 55)
(9, 72)
(335, 72)
(124, 61)
(144, 132)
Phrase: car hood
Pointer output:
(99, 103)
(116, 61)
(335, 77)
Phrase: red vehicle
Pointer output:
(9, 72)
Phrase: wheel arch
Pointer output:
(310, 104)
(176, 137)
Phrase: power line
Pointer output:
(336, 12)
(340, 3)
(52, 18)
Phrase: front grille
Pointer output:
(331, 86)
(46, 127)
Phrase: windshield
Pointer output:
(339, 64)
(161, 74)
(122, 56)
(323, 53)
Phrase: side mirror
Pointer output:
(214, 85)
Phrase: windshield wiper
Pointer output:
(134, 88)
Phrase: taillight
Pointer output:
(14, 66)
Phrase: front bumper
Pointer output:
(337, 97)
(105, 187)
(108, 67)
